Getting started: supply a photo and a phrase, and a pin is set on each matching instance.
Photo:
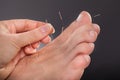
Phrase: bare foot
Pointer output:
(65, 58)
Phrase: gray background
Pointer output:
(105, 63)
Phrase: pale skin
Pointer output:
(65, 58)
(19, 38)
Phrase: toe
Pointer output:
(76, 67)
(80, 49)
(84, 48)
(85, 33)
(96, 28)
(84, 18)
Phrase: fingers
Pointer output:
(36, 45)
(22, 25)
(46, 40)
(31, 48)
(33, 36)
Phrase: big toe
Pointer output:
(84, 18)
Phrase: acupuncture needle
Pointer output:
(61, 18)
(97, 15)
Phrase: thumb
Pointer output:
(35, 35)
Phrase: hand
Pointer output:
(16, 37)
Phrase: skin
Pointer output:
(65, 58)
(15, 39)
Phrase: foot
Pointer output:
(65, 58)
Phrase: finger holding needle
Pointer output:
(32, 48)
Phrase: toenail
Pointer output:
(45, 28)
(91, 45)
(92, 33)
(79, 17)
(97, 27)
(87, 58)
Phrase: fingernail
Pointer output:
(53, 30)
(45, 28)
(92, 33)
(91, 45)
(87, 58)
(79, 17)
